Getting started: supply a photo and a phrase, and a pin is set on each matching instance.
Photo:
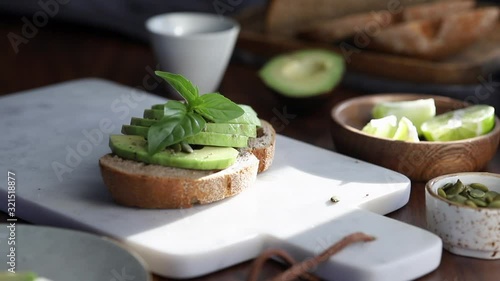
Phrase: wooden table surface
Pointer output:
(60, 52)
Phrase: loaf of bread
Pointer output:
(286, 17)
(137, 184)
(437, 38)
(337, 29)
(371, 23)
(431, 11)
(433, 30)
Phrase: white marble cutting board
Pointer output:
(52, 139)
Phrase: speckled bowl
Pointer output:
(465, 231)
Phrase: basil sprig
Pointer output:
(182, 120)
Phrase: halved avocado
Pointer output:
(304, 73)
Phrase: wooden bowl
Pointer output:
(420, 161)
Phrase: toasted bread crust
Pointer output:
(136, 184)
(140, 185)
(263, 147)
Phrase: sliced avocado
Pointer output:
(249, 116)
(217, 139)
(236, 129)
(223, 128)
(202, 138)
(303, 73)
(206, 158)
(155, 114)
(135, 130)
(142, 122)
(158, 106)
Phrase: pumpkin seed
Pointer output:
(494, 204)
(446, 186)
(176, 147)
(476, 193)
(186, 147)
(457, 188)
(473, 195)
(479, 186)
(479, 202)
(470, 203)
(441, 192)
(459, 199)
(490, 196)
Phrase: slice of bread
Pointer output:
(263, 145)
(337, 29)
(137, 184)
(285, 17)
(437, 38)
(436, 10)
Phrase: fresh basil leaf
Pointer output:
(217, 108)
(182, 120)
(172, 107)
(173, 128)
(182, 85)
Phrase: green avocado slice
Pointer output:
(136, 121)
(202, 138)
(223, 128)
(155, 114)
(207, 158)
(217, 139)
(234, 129)
(135, 130)
(249, 116)
(158, 106)
(303, 73)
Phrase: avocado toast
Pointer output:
(184, 153)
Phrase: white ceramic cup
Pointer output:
(196, 45)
